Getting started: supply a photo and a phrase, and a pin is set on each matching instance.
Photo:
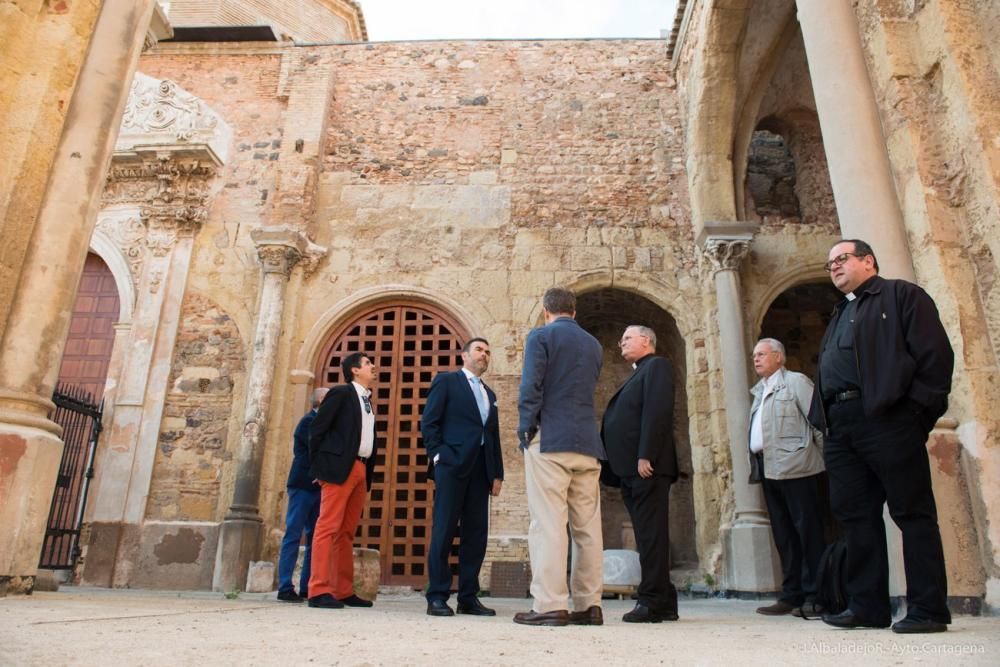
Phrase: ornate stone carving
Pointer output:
(128, 234)
(160, 113)
(278, 258)
(726, 254)
(160, 106)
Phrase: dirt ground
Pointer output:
(78, 626)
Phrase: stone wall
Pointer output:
(194, 444)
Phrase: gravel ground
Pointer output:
(86, 626)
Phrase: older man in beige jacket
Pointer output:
(786, 457)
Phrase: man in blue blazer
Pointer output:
(561, 366)
(461, 432)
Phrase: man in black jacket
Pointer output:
(883, 380)
(637, 430)
(342, 455)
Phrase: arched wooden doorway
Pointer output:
(91, 330)
(409, 343)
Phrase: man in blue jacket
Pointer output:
(561, 366)
(461, 432)
(883, 380)
(303, 510)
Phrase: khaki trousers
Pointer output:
(563, 488)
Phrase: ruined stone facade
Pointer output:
(264, 198)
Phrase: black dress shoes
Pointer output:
(643, 614)
(913, 626)
(592, 616)
(558, 617)
(325, 601)
(475, 608)
(848, 619)
(289, 596)
(354, 601)
(439, 608)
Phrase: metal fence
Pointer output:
(79, 414)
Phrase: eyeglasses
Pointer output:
(838, 260)
(626, 339)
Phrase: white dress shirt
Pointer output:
(756, 429)
(367, 423)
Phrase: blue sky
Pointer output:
(511, 19)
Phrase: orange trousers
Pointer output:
(340, 508)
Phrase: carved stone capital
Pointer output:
(279, 248)
(726, 243)
(278, 258)
(726, 254)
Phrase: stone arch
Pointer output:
(410, 341)
(605, 312)
(797, 315)
(341, 312)
(102, 246)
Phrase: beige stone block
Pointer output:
(568, 236)
(508, 157)
(483, 178)
(367, 573)
(395, 196)
(547, 258)
(260, 577)
(361, 196)
(590, 258)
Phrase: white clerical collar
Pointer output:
(850, 296)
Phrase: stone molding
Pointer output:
(281, 248)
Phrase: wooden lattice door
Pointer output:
(409, 344)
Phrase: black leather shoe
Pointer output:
(558, 617)
(779, 608)
(438, 608)
(848, 619)
(474, 608)
(354, 601)
(914, 626)
(289, 596)
(592, 616)
(643, 614)
(325, 601)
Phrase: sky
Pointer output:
(389, 20)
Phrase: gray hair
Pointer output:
(318, 395)
(775, 345)
(644, 331)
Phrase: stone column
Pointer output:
(279, 250)
(751, 561)
(855, 147)
(35, 334)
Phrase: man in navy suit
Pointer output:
(638, 435)
(561, 366)
(461, 433)
(342, 455)
(303, 510)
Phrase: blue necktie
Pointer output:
(484, 406)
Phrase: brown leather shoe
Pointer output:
(592, 616)
(779, 608)
(558, 617)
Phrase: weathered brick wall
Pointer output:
(194, 443)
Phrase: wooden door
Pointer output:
(91, 330)
(410, 344)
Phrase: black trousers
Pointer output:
(796, 513)
(457, 501)
(648, 504)
(876, 460)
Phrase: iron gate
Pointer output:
(80, 417)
